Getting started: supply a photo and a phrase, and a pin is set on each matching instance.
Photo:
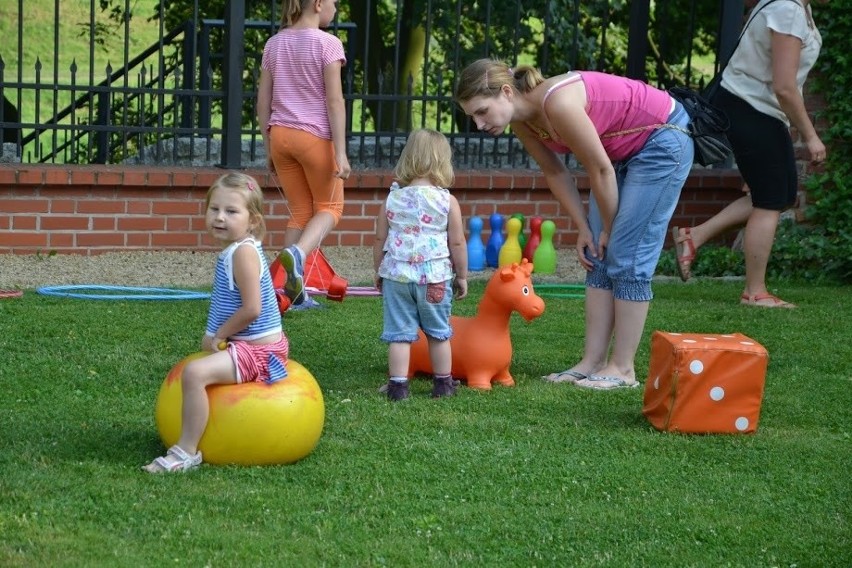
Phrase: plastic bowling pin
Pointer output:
(475, 247)
(534, 240)
(522, 238)
(544, 259)
(511, 250)
(495, 241)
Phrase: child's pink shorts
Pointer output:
(260, 362)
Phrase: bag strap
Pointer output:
(717, 79)
(745, 27)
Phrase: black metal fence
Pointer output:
(187, 95)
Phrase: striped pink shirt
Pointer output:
(296, 58)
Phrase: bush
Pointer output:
(829, 214)
(808, 252)
(711, 260)
(801, 252)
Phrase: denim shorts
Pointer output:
(649, 185)
(409, 307)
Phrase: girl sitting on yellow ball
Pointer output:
(244, 334)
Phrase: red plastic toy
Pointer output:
(319, 276)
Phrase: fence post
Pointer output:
(102, 135)
(205, 83)
(637, 39)
(232, 77)
(730, 25)
(189, 56)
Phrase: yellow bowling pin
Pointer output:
(511, 250)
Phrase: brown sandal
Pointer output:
(685, 250)
(765, 300)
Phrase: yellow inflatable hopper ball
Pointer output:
(252, 423)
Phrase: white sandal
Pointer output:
(181, 461)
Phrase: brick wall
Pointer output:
(93, 209)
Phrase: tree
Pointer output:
(412, 48)
(415, 45)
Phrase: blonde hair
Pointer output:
(427, 154)
(291, 11)
(248, 187)
(485, 78)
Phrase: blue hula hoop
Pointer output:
(85, 292)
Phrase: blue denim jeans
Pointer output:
(649, 185)
(409, 307)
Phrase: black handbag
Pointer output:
(708, 127)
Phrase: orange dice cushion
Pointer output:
(704, 383)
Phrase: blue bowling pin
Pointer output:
(475, 247)
(495, 241)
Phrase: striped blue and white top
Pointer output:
(225, 299)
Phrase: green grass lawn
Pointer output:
(43, 29)
(536, 475)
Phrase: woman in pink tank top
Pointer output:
(632, 141)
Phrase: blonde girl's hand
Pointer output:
(378, 281)
(343, 167)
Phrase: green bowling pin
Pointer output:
(544, 258)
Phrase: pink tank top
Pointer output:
(614, 104)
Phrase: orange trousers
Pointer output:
(306, 169)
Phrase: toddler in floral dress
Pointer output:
(420, 257)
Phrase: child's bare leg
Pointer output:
(399, 354)
(398, 358)
(291, 236)
(217, 368)
(313, 234)
(441, 355)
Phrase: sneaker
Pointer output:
(294, 288)
(444, 386)
(397, 390)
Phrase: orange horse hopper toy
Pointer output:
(482, 346)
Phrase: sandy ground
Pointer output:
(195, 269)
